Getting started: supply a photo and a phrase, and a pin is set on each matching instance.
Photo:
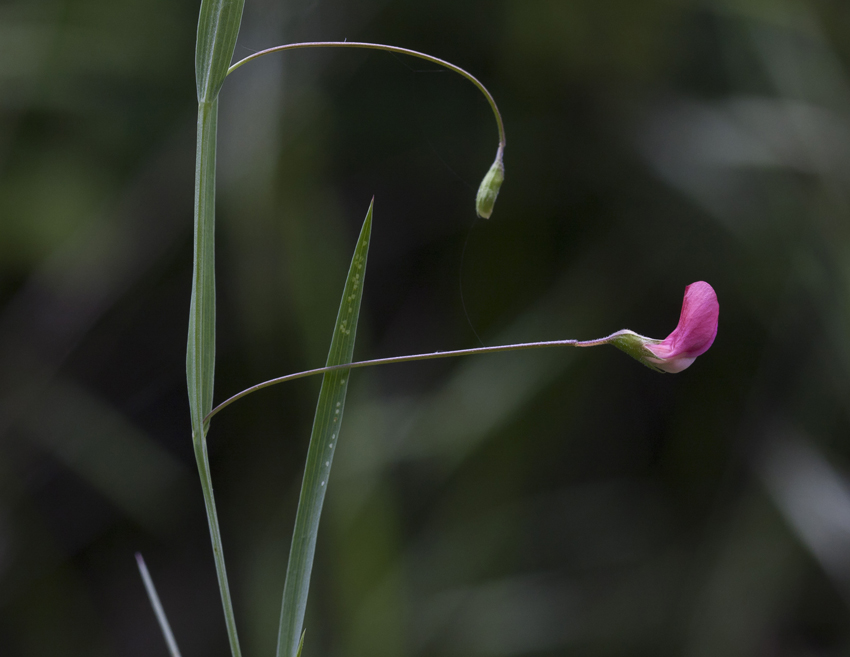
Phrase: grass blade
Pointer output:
(323, 441)
(157, 607)
(218, 27)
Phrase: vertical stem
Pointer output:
(200, 350)
(215, 535)
(218, 28)
(200, 353)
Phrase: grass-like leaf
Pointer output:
(323, 442)
(218, 27)
(301, 644)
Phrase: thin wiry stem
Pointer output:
(408, 359)
(386, 48)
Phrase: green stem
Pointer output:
(409, 359)
(202, 459)
(200, 352)
(395, 49)
(218, 29)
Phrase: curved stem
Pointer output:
(395, 49)
(409, 359)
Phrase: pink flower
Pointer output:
(695, 333)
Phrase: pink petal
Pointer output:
(697, 325)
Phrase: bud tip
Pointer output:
(489, 188)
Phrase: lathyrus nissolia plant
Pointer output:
(218, 27)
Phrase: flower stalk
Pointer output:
(488, 190)
(692, 337)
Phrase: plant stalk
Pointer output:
(218, 29)
(409, 359)
(200, 352)
(202, 459)
(395, 49)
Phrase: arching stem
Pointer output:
(386, 48)
(408, 359)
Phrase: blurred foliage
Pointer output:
(560, 503)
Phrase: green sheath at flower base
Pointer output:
(634, 345)
(489, 188)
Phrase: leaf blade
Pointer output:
(323, 441)
(218, 28)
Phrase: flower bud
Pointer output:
(489, 188)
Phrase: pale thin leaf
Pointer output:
(157, 607)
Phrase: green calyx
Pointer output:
(633, 344)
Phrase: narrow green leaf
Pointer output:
(323, 442)
(218, 27)
(301, 644)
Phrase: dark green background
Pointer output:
(541, 503)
